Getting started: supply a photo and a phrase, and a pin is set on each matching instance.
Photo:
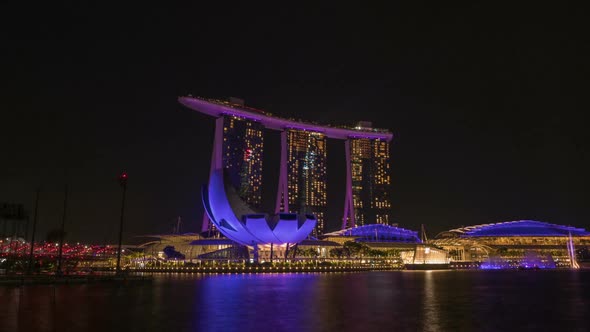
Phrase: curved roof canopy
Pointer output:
(251, 228)
(378, 233)
(514, 228)
(217, 109)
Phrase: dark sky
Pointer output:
(486, 104)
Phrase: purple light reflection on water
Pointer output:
(255, 302)
(547, 300)
(531, 260)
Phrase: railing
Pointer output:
(266, 269)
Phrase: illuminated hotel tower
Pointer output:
(302, 176)
(305, 167)
(242, 157)
(241, 146)
(368, 181)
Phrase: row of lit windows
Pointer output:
(362, 219)
(254, 132)
(319, 228)
(241, 135)
(375, 152)
(306, 151)
(304, 146)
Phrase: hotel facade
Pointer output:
(302, 184)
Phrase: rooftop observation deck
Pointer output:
(218, 108)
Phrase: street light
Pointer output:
(59, 272)
(30, 265)
(123, 183)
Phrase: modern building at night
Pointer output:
(306, 173)
(235, 219)
(238, 150)
(371, 179)
(374, 234)
(302, 183)
(512, 240)
(386, 238)
(242, 157)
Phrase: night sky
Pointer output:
(485, 102)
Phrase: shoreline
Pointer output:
(146, 275)
(23, 280)
(143, 275)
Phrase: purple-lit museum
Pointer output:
(302, 183)
(253, 229)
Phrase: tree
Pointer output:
(356, 248)
(171, 253)
(309, 252)
(339, 252)
(376, 253)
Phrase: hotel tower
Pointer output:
(302, 182)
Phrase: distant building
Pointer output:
(302, 183)
(306, 158)
(238, 148)
(242, 157)
(376, 235)
(512, 242)
(371, 180)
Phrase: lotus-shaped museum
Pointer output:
(223, 206)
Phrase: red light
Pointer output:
(247, 154)
(123, 179)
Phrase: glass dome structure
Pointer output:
(514, 228)
(378, 233)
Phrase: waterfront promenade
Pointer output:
(269, 269)
(41, 279)
(144, 274)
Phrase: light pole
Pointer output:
(123, 182)
(62, 233)
(30, 265)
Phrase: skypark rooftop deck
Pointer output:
(218, 108)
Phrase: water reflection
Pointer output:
(255, 302)
(9, 308)
(430, 305)
(400, 300)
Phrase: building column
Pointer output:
(348, 216)
(283, 190)
(216, 162)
